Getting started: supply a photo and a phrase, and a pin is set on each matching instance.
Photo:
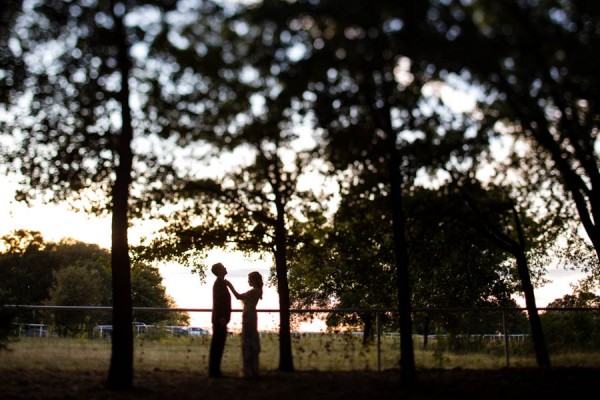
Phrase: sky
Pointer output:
(56, 222)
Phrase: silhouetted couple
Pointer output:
(221, 314)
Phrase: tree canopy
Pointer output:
(73, 273)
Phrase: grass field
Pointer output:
(311, 353)
(328, 367)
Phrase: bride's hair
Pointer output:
(256, 281)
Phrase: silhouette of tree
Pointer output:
(496, 216)
(12, 66)
(536, 63)
(73, 125)
(368, 101)
(255, 103)
(72, 273)
(349, 263)
(577, 328)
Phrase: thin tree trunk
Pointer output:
(407, 356)
(120, 374)
(367, 328)
(537, 333)
(517, 250)
(426, 332)
(286, 362)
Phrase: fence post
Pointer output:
(506, 356)
(378, 330)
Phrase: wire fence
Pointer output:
(78, 337)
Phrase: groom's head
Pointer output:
(219, 269)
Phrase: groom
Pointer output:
(221, 313)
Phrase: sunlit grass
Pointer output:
(319, 352)
(577, 359)
(56, 354)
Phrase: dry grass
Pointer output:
(312, 353)
(328, 367)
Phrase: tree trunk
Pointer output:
(286, 362)
(120, 374)
(426, 332)
(381, 72)
(407, 357)
(367, 328)
(517, 249)
(537, 333)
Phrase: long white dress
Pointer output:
(250, 337)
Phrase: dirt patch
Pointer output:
(510, 383)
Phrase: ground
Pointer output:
(509, 383)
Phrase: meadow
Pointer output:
(325, 352)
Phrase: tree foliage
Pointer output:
(12, 65)
(567, 325)
(349, 263)
(72, 273)
(346, 263)
(536, 62)
(369, 103)
(252, 205)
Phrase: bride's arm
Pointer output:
(230, 286)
